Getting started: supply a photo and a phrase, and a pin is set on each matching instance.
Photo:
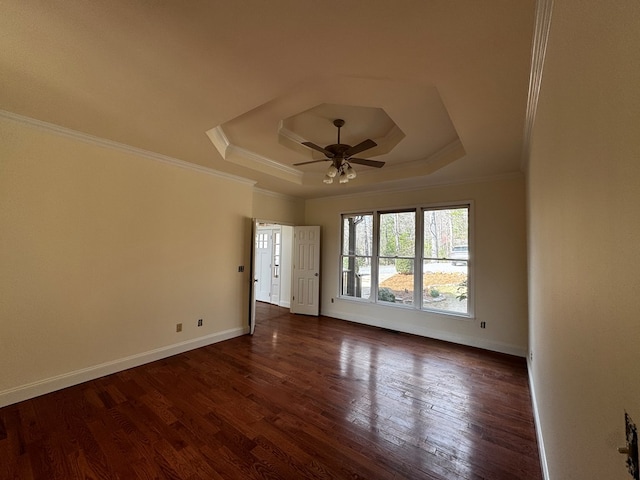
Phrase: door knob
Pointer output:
(316, 274)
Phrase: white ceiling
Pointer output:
(233, 85)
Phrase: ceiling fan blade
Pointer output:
(361, 147)
(368, 163)
(312, 161)
(320, 149)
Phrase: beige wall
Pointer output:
(500, 265)
(103, 252)
(277, 208)
(584, 194)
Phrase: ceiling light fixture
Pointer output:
(344, 172)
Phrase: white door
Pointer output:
(263, 265)
(306, 271)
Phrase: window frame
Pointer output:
(468, 204)
(378, 256)
(342, 255)
(419, 257)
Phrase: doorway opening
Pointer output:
(284, 256)
(272, 264)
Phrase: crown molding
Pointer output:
(110, 144)
(264, 161)
(219, 140)
(289, 135)
(544, 9)
(249, 159)
(449, 153)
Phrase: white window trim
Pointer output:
(418, 258)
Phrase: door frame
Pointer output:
(262, 273)
(255, 222)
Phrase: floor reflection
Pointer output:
(429, 398)
(440, 406)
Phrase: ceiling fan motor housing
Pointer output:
(338, 149)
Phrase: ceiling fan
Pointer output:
(341, 157)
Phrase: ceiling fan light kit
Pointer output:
(351, 173)
(341, 157)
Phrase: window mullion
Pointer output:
(419, 263)
(375, 257)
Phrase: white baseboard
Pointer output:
(536, 420)
(285, 304)
(48, 385)
(435, 334)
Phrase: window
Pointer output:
(276, 254)
(262, 240)
(445, 259)
(384, 260)
(357, 248)
(396, 258)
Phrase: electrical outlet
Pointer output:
(178, 327)
(531, 356)
(200, 322)
(483, 324)
(241, 268)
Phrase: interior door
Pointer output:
(305, 298)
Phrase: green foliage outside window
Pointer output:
(386, 295)
(404, 266)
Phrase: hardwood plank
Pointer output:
(304, 397)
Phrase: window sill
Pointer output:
(407, 307)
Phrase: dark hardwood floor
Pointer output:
(304, 397)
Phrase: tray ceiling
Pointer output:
(231, 86)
